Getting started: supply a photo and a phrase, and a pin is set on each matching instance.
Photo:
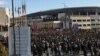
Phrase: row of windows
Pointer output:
(3, 28)
(89, 25)
(84, 12)
(83, 20)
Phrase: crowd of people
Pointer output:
(66, 43)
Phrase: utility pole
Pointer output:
(64, 4)
(13, 29)
(65, 15)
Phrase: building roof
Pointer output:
(61, 10)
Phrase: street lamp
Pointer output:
(65, 15)
(13, 28)
(64, 4)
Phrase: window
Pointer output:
(83, 12)
(88, 19)
(76, 13)
(91, 12)
(98, 19)
(78, 20)
(84, 24)
(92, 19)
(74, 20)
(84, 20)
(98, 13)
(88, 24)
(97, 24)
(80, 25)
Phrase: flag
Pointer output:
(23, 8)
(75, 27)
(35, 26)
(19, 10)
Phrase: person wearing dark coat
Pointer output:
(95, 51)
(34, 50)
(90, 47)
(55, 50)
(39, 50)
(84, 48)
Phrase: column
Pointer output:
(79, 13)
(96, 13)
(72, 13)
(87, 13)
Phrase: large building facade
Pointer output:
(3, 21)
(3, 16)
(85, 17)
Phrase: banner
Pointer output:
(75, 27)
(35, 26)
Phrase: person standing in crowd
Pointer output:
(63, 43)
(39, 49)
(34, 49)
(84, 48)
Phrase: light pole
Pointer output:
(13, 29)
(65, 15)
(64, 4)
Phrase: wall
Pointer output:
(3, 17)
(83, 21)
